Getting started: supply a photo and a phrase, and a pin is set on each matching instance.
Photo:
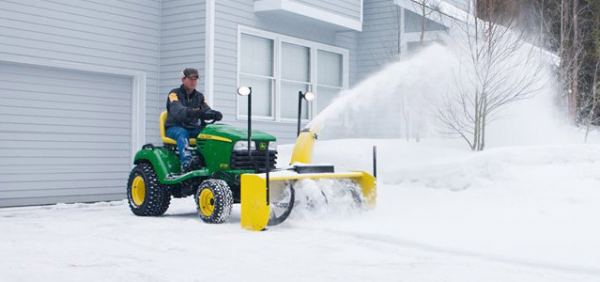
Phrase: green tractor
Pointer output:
(229, 169)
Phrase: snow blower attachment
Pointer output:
(264, 194)
(231, 165)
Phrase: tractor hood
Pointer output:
(235, 134)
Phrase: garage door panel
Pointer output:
(61, 153)
(64, 97)
(64, 135)
(12, 161)
(63, 199)
(80, 90)
(65, 145)
(33, 83)
(76, 77)
(38, 169)
(75, 138)
(51, 185)
(13, 127)
(41, 104)
(48, 177)
(61, 192)
(42, 113)
(28, 119)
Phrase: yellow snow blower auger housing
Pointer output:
(261, 193)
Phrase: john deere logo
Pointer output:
(262, 146)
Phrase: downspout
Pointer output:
(209, 52)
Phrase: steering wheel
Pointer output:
(209, 121)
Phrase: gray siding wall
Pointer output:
(118, 34)
(95, 33)
(461, 4)
(231, 14)
(378, 43)
(413, 22)
(181, 45)
(346, 8)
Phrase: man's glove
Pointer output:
(198, 112)
(213, 115)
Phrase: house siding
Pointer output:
(89, 110)
(182, 44)
(378, 43)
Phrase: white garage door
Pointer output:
(65, 136)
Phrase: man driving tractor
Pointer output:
(186, 114)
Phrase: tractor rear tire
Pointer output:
(147, 197)
(214, 201)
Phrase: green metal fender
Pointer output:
(164, 161)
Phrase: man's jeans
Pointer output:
(182, 135)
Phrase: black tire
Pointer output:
(156, 198)
(214, 201)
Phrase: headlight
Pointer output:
(243, 146)
(272, 146)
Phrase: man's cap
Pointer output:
(189, 73)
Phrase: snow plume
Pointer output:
(404, 99)
(393, 100)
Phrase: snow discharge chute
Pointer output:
(268, 198)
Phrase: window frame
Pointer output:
(278, 40)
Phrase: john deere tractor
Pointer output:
(229, 168)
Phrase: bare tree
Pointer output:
(499, 68)
(592, 101)
(426, 8)
(571, 52)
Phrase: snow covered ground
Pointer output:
(444, 214)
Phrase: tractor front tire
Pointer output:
(214, 201)
(147, 197)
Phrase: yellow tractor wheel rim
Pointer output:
(138, 190)
(207, 202)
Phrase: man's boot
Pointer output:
(186, 167)
(186, 164)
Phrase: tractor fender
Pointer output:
(163, 161)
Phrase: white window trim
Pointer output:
(209, 57)
(278, 39)
(311, 12)
(138, 97)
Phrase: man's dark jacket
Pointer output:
(185, 109)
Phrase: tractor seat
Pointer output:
(163, 132)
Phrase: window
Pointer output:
(277, 67)
(295, 77)
(257, 70)
(330, 80)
